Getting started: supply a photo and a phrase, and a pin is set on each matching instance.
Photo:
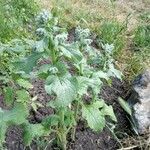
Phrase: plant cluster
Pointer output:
(76, 70)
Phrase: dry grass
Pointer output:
(136, 142)
(93, 11)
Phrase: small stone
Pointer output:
(140, 101)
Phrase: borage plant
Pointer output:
(76, 71)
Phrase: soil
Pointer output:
(85, 138)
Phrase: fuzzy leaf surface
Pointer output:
(63, 87)
(28, 63)
(16, 116)
(94, 116)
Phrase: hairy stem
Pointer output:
(62, 130)
(76, 118)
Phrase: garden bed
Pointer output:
(85, 138)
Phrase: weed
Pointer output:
(112, 32)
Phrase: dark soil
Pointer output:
(43, 98)
(110, 94)
(86, 139)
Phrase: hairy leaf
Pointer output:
(50, 121)
(8, 95)
(24, 83)
(108, 111)
(28, 63)
(125, 106)
(94, 116)
(16, 116)
(22, 96)
(114, 72)
(72, 51)
(32, 131)
(83, 83)
(63, 88)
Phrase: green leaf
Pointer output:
(28, 63)
(63, 87)
(44, 68)
(101, 74)
(8, 95)
(25, 83)
(125, 106)
(83, 83)
(69, 118)
(72, 51)
(65, 52)
(114, 72)
(62, 69)
(76, 54)
(94, 116)
(16, 116)
(40, 46)
(95, 84)
(108, 111)
(3, 129)
(50, 121)
(32, 131)
(22, 96)
(15, 45)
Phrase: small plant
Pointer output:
(112, 32)
(76, 70)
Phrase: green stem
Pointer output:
(81, 69)
(63, 141)
(76, 118)
(53, 56)
(62, 134)
(112, 132)
(52, 50)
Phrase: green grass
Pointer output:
(145, 17)
(112, 32)
(14, 17)
(142, 37)
(139, 58)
